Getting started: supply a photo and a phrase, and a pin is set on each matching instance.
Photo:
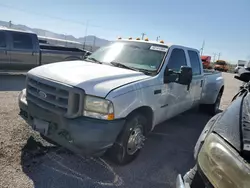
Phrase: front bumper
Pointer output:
(195, 178)
(81, 135)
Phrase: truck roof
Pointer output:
(15, 30)
(144, 41)
(168, 45)
(56, 39)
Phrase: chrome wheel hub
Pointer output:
(135, 141)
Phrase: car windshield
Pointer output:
(140, 55)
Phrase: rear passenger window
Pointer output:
(22, 41)
(195, 62)
(3, 43)
(177, 59)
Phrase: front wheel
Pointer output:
(130, 141)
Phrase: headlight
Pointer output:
(98, 108)
(222, 165)
(22, 95)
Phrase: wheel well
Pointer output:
(148, 113)
(221, 90)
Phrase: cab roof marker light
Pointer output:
(130, 38)
(161, 41)
(146, 39)
(119, 38)
(138, 38)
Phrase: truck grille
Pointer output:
(56, 97)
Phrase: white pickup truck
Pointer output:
(111, 101)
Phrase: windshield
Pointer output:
(133, 54)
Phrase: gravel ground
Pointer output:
(26, 160)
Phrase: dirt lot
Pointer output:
(28, 161)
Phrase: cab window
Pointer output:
(177, 59)
(22, 41)
(195, 62)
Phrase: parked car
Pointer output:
(117, 96)
(221, 65)
(240, 65)
(222, 152)
(21, 50)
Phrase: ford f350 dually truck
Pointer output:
(21, 50)
(116, 96)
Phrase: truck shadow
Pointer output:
(168, 151)
(10, 82)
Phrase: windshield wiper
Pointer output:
(116, 64)
(92, 59)
(145, 71)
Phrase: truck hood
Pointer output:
(95, 79)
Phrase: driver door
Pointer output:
(176, 96)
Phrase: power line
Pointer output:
(54, 17)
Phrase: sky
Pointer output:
(223, 24)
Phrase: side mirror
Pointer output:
(185, 76)
(170, 76)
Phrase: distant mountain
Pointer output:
(89, 40)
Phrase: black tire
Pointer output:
(212, 109)
(121, 152)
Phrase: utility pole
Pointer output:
(219, 56)
(142, 36)
(65, 38)
(157, 38)
(10, 24)
(214, 57)
(202, 47)
(86, 31)
(94, 42)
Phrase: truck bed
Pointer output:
(210, 71)
(211, 85)
(51, 54)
